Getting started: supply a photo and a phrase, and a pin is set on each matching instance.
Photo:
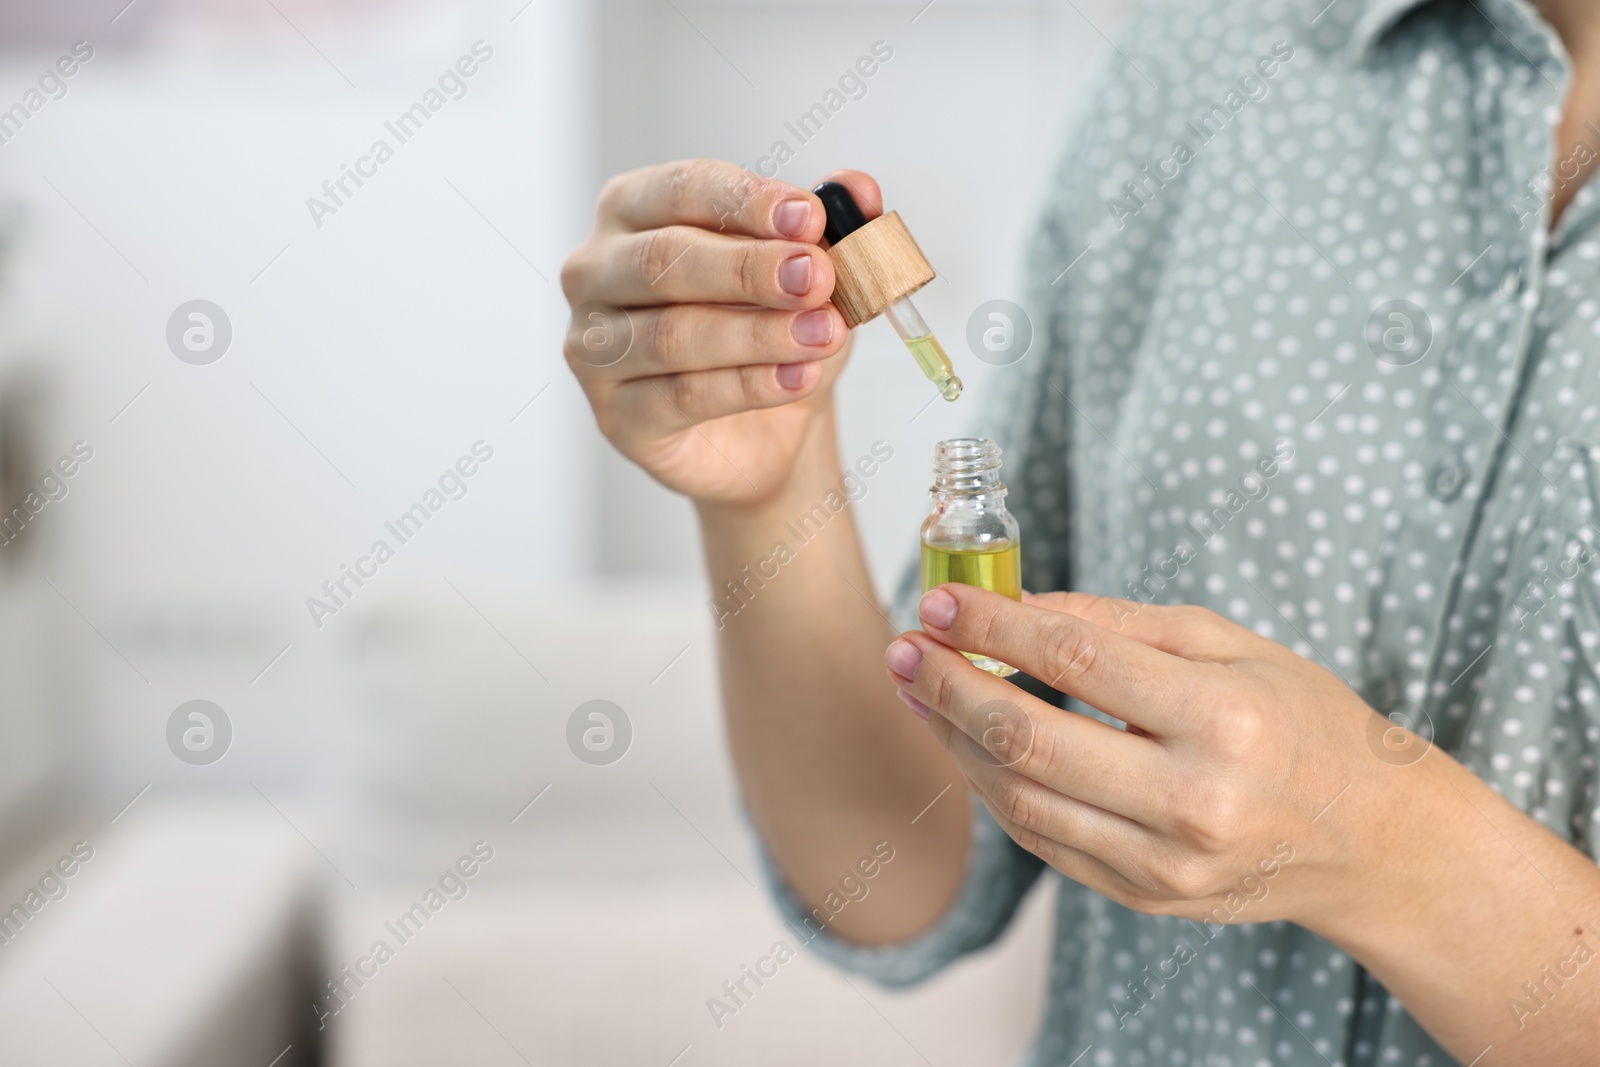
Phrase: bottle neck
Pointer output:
(967, 469)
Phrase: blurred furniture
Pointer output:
(188, 940)
(623, 896)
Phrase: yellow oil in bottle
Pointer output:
(930, 356)
(997, 568)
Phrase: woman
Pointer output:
(1310, 429)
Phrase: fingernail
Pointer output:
(938, 609)
(791, 216)
(812, 327)
(917, 707)
(794, 275)
(791, 375)
(903, 659)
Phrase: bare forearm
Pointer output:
(1482, 923)
(830, 762)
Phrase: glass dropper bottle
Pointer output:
(969, 537)
(877, 265)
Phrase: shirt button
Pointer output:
(1511, 284)
(1447, 480)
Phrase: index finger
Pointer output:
(1076, 755)
(1181, 629)
(714, 195)
(1117, 674)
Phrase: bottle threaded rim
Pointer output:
(966, 464)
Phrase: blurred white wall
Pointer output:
(367, 354)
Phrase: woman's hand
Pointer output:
(1220, 802)
(1252, 785)
(701, 331)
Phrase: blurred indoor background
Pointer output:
(233, 863)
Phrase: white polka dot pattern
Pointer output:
(1429, 530)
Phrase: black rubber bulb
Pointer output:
(844, 216)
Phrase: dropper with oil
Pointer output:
(877, 266)
(924, 347)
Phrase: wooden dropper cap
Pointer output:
(874, 263)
